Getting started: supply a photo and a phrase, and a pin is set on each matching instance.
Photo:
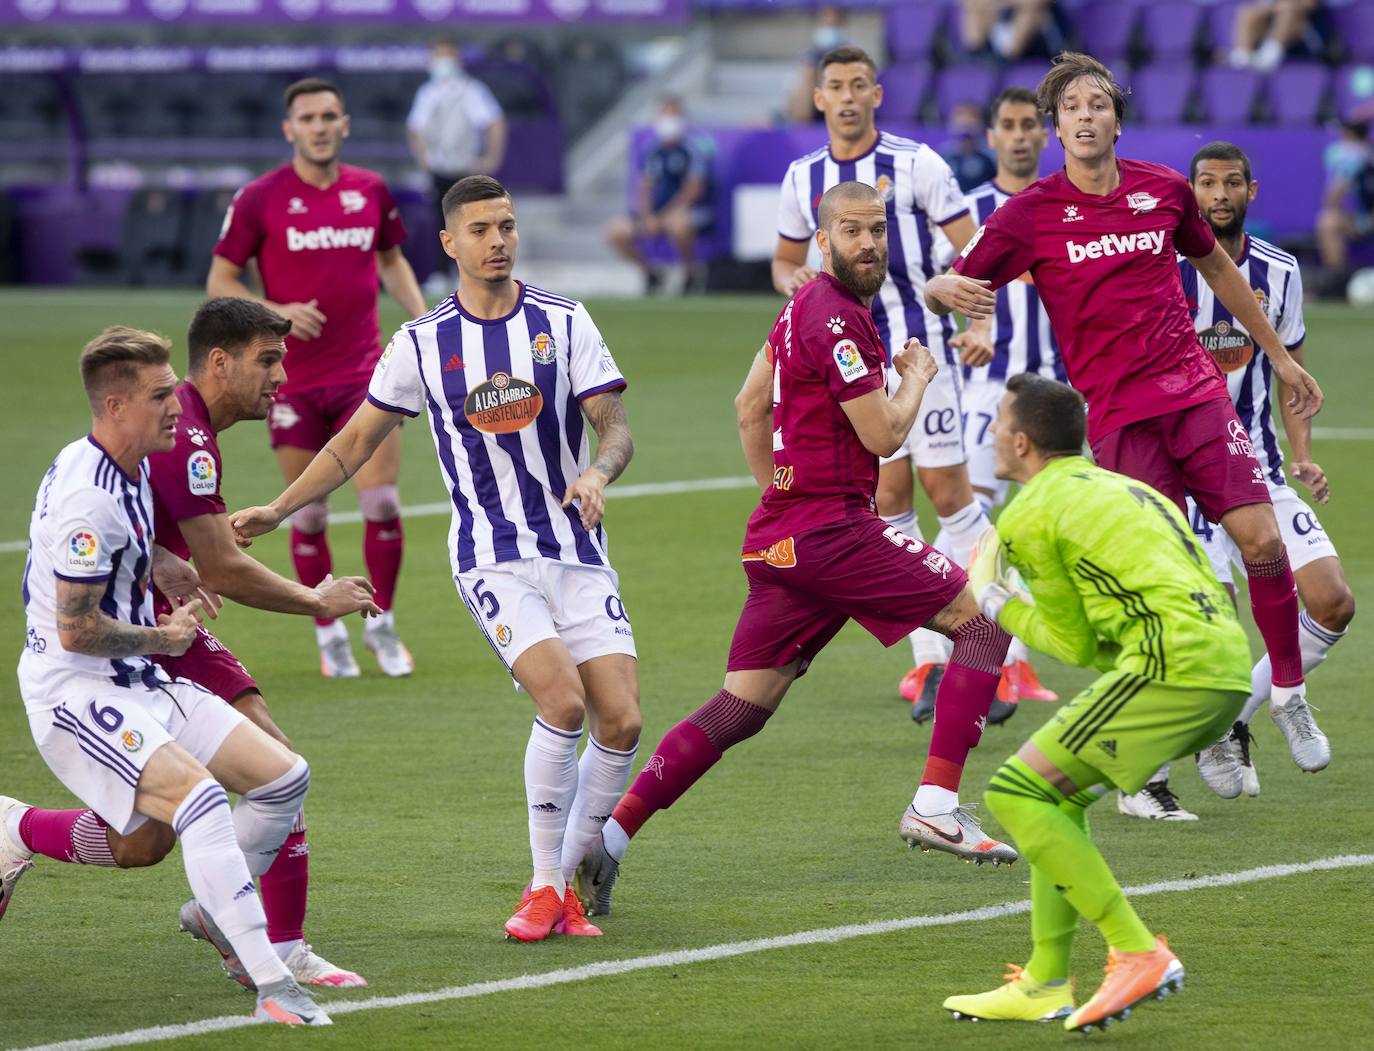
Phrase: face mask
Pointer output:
(827, 37)
(443, 68)
(669, 128)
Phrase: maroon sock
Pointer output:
(686, 752)
(1274, 605)
(75, 836)
(284, 890)
(962, 702)
(383, 543)
(310, 556)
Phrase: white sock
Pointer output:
(905, 523)
(550, 788)
(285, 949)
(932, 799)
(220, 880)
(1017, 651)
(327, 633)
(265, 816)
(602, 775)
(987, 501)
(386, 620)
(1315, 642)
(1162, 774)
(960, 531)
(929, 647)
(12, 825)
(615, 839)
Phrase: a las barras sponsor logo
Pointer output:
(1151, 241)
(360, 237)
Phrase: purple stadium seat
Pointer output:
(1296, 92)
(1353, 24)
(1105, 26)
(1228, 95)
(1170, 29)
(975, 84)
(1353, 88)
(904, 92)
(1025, 74)
(1220, 30)
(913, 28)
(1160, 94)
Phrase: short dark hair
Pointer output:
(1068, 66)
(469, 189)
(310, 86)
(1024, 96)
(1219, 151)
(230, 323)
(1049, 413)
(113, 358)
(844, 55)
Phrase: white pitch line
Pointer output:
(684, 957)
(698, 485)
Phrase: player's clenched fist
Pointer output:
(251, 522)
(589, 490)
(307, 321)
(346, 595)
(915, 360)
(179, 628)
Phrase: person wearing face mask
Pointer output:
(828, 34)
(455, 127)
(672, 199)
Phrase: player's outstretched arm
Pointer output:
(754, 414)
(972, 297)
(1219, 271)
(333, 465)
(614, 448)
(83, 627)
(399, 280)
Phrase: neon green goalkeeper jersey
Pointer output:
(1118, 581)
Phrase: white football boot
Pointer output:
(1155, 801)
(15, 858)
(1309, 747)
(379, 636)
(955, 833)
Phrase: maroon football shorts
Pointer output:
(210, 663)
(307, 419)
(803, 589)
(1202, 451)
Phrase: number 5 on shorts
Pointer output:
(901, 539)
(486, 600)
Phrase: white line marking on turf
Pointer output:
(697, 485)
(683, 957)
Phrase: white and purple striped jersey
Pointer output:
(1274, 277)
(1022, 339)
(91, 524)
(922, 195)
(504, 399)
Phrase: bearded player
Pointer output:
(1099, 239)
(816, 553)
(323, 233)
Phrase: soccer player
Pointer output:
(1017, 338)
(132, 744)
(928, 222)
(322, 233)
(235, 350)
(1116, 582)
(507, 372)
(1222, 181)
(817, 554)
(1099, 238)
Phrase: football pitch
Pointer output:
(774, 906)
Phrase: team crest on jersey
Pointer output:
(503, 404)
(1229, 345)
(1262, 298)
(201, 476)
(937, 563)
(884, 187)
(1071, 214)
(503, 635)
(543, 349)
(132, 740)
(81, 550)
(849, 360)
(296, 206)
(352, 201)
(1139, 203)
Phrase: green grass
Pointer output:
(417, 831)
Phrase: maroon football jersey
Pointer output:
(186, 478)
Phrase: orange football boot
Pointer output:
(1132, 978)
(1027, 684)
(536, 916)
(574, 921)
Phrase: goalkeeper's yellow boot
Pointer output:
(1021, 999)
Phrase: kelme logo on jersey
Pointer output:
(543, 349)
(850, 362)
(503, 404)
(1230, 346)
(1151, 241)
(81, 550)
(200, 473)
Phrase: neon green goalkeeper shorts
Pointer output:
(1123, 728)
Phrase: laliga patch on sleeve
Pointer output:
(849, 360)
(201, 476)
(82, 550)
(977, 236)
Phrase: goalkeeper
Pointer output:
(1117, 582)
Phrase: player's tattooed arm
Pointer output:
(614, 446)
(85, 628)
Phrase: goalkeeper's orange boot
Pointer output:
(1027, 684)
(1132, 978)
(536, 916)
(574, 920)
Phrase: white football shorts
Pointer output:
(937, 437)
(980, 401)
(98, 737)
(528, 600)
(1299, 526)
